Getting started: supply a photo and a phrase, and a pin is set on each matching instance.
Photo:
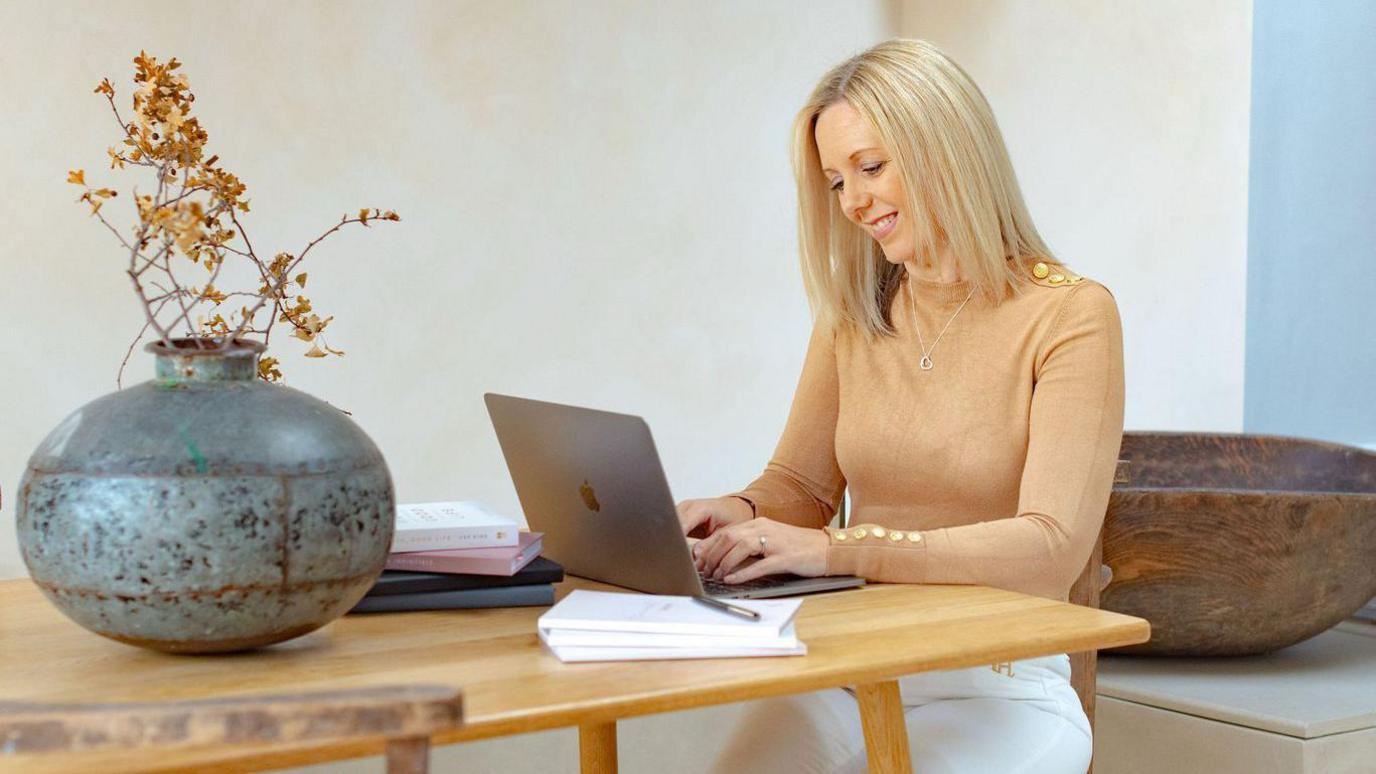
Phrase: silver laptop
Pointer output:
(592, 482)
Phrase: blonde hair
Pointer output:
(942, 137)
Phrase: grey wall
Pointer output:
(1311, 281)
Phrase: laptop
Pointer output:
(592, 482)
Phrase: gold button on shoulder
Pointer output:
(840, 535)
(914, 537)
(896, 536)
(879, 532)
(860, 533)
(1056, 279)
(1040, 270)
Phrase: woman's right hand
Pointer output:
(710, 514)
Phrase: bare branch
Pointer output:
(119, 376)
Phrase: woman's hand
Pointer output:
(785, 548)
(712, 513)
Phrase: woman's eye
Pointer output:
(870, 169)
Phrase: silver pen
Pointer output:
(726, 607)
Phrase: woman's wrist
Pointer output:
(741, 508)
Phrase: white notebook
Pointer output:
(585, 638)
(655, 613)
(576, 653)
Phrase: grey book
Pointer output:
(503, 596)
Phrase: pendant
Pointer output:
(925, 363)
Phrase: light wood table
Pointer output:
(864, 638)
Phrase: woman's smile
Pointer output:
(883, 226)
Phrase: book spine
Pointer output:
(507, 596)
(442, 538)
(452, 581)
(425, 561)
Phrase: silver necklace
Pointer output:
(926, 362)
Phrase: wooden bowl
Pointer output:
(1235, 544)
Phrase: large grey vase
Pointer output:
(205, 510)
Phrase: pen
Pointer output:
(728, 608)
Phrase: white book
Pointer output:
(583, 638)
(654, 613)
(574, 653)
(446, 526)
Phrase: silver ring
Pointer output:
(763, 544)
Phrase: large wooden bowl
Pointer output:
(1238, 544)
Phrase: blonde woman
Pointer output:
(964, 386)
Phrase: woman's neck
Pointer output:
(943, 268)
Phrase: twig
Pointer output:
(119, 376)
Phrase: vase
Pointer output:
(205, 510)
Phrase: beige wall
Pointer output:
(1128, 127)
(598, 210)
(596, 197)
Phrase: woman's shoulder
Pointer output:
(1065, 283)
(1056, 297)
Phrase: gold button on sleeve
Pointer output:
(840, 535)
(1056, 279)
(860, 533)
(914, 537)
(896, 536)
(879, 532)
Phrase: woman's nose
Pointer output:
(854, 199)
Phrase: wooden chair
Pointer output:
(405, 715)
(1084, 666)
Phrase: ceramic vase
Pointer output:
(205, 510)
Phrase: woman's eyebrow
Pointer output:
(852, 156)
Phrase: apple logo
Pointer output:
(589, 496)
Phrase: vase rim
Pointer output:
(189, 346)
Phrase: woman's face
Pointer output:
(866, 182)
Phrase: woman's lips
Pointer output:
(884, 226)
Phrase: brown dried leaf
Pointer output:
(315, 351)
(77, 176)
(267, 369)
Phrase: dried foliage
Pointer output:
(191, 222)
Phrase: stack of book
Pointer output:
(608, 626)
(448, 556)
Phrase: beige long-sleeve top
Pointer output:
(994, 467)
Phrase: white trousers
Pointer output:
(963, 721)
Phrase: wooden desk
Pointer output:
(865, 637)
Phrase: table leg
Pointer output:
(886, 735)
(597, 748)
(408, 756)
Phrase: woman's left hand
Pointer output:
(784, 548)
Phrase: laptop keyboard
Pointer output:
(716, 588)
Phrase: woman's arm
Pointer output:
(802, 484)
(1076, 427)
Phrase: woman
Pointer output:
(965, 387)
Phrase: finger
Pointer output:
(713, 554)
(770, 565)
(733, 558)
(700, 548)
(689, 517)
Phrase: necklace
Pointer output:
(926, 362)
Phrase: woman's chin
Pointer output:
(896, 257)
